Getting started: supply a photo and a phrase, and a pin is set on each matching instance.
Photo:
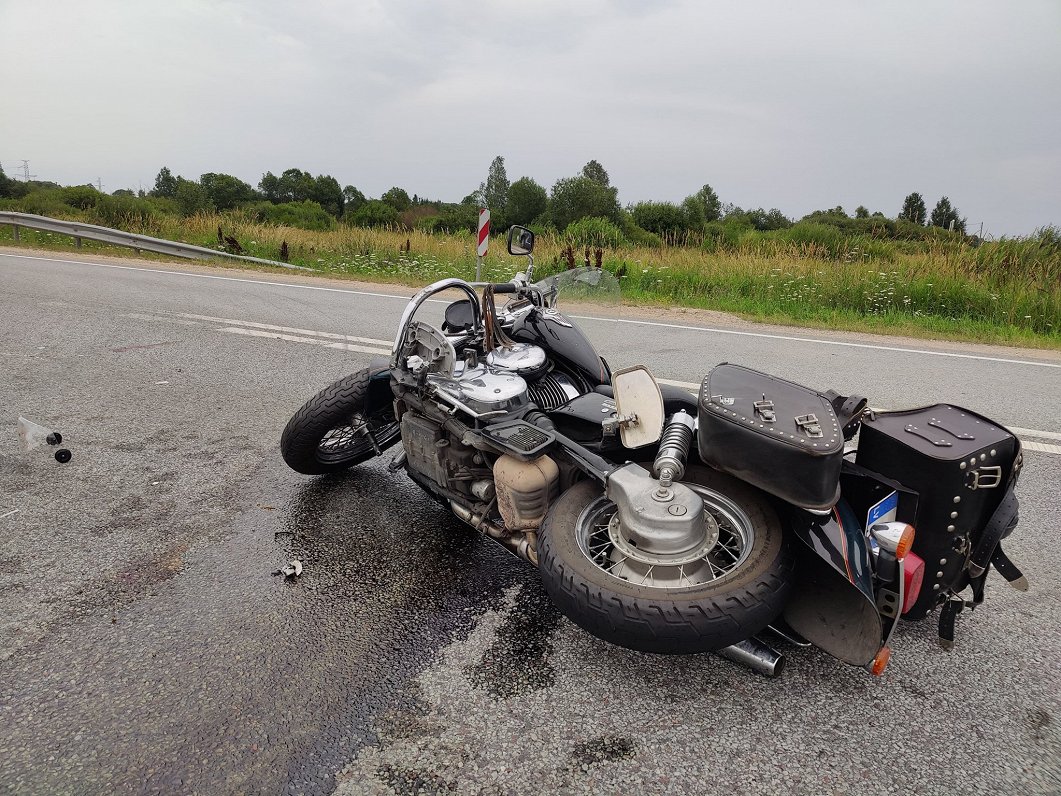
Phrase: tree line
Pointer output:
(587, 199)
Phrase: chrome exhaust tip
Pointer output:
(757, 655)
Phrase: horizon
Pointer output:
(774, 107)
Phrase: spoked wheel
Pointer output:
(707, 593)
(347, 423)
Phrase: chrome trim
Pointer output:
(756, 654)
(424, 295)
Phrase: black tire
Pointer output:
(699, 618)
(325, 435)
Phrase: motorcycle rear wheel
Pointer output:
(749, 572)
(342, 425)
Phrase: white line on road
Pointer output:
(291, 330)
(323, 339)
(796, 339)
(310, 340)
(793, 338)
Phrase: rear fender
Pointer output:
(832, 603)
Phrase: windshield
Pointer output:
(585, 285)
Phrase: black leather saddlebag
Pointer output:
(962, 466)
(780, 436)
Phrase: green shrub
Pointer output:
(452, 219)
(593, 231)
(303, 215)
(374, 213)
(46, 202)
(662, 218)
(123, 212)
(81, 196)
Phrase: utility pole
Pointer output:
(26, 176)
(99, 185)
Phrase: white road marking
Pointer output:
(1030, 432)
(310, 340)
(145, 316)
(765, 335)
(793, 338)
(321, 339)
(291, 330)
(688, 385)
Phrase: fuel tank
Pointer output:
(562, 339)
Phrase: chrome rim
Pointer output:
(360, 436)
(598, 522)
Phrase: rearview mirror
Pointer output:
(639, 404)
(520, 240)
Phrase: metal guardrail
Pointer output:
(116, 237)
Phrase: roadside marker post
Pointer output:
(484, 241)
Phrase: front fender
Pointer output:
(832, 603)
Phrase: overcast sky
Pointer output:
(799, 106)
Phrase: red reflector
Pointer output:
(913, 575)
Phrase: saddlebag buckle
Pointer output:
(985, 478)
(809, 425)
(765, 410)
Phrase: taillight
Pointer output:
(913, 575)
(880, 662)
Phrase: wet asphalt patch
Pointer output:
(207, 674)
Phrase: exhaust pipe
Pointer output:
(523, 545)
(756, 655)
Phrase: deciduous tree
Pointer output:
(943, 214)
(581, 197)
(913, 209)
(526, 201)
(165, 184)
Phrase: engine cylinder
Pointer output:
(674, 446)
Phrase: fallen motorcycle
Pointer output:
(670, 522)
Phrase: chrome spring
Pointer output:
(674, 444)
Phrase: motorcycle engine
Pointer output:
(547, 389)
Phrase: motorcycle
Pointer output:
(732, 521)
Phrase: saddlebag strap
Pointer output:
(947, 615)
(1007, 569)
(1000, 524)
(848, 409)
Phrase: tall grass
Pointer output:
(1003, 291)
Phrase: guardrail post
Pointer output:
(77, 241)
(18, 235)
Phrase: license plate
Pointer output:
(883, 511)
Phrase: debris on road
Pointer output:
(292, 570)
(9, 513)
(63, 455)
(31, 435)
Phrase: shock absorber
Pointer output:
(669, 465)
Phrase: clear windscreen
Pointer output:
(585, 285)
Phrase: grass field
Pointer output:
(1000, 292)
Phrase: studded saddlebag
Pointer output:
(782, 437)
(962, 466)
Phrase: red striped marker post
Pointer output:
(484, 241)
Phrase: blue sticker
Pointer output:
(883, 511)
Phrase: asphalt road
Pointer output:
(148, 648)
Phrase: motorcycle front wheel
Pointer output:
(346, 423)
(639, 601)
